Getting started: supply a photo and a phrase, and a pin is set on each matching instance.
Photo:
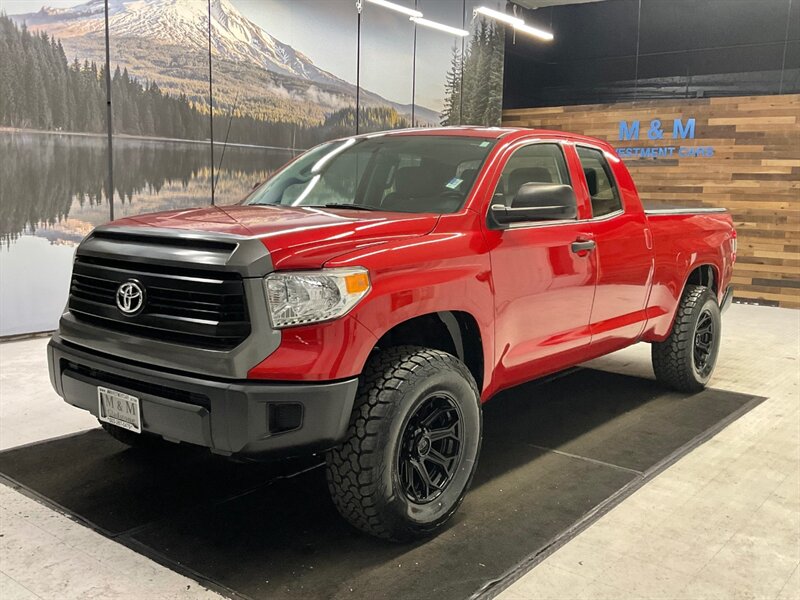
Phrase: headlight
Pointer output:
(311, 296)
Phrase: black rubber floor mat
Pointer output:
(117, 489)
(553, 453)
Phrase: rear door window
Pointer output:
(602, 189)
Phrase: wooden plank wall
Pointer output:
(754, 172)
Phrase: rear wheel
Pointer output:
(412, 445)
(686, 359)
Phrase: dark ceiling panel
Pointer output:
(582, 82)
(736, 60)
(543, 3)
(695, 24)
(597, 72)
(690, 48)
(709, 61)
(601, 30)
(791, 72)
(794, 21)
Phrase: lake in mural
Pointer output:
(53, 193)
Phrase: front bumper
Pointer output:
(229, 417)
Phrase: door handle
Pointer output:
(579, 246)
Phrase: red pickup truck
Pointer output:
(372, 294)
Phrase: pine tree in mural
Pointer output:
(494, 102)
(451, 115)
(474, 83)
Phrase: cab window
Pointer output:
(602, 189)
(535, 163)
(399, 173)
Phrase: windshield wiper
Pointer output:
(348, 206)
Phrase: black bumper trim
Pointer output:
(234, 420)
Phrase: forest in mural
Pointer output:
(43, 90)
(474, 83)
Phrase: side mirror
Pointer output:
(538, 202)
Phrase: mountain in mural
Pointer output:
(166, 41)
(184, 22)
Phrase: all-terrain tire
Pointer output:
(678, 361)
(368, 474)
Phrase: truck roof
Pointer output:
(492, 133)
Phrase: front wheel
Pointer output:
(686, 359)
(412, 445)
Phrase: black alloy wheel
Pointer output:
(704, 343)
(685, 360)
(430, 448)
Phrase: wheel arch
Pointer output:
(706, 274)
(701, 273)
(453, 331)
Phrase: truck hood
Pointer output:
(296, 237)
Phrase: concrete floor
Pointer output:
(723, 522)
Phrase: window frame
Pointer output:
(522, 224)
(611, 178)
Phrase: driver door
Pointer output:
(544, 284)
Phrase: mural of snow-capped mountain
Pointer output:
(165, 41)
(183, 22)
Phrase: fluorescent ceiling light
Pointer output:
(439, 26)
(517, 23)
(397, 7)
(499, 16)
(540, 33)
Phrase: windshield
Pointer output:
(406, 173)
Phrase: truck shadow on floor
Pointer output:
(552, 453)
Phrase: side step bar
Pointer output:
(727, 298)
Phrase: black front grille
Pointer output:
(200, 308)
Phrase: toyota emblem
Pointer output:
(130, 297)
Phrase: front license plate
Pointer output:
(120, 409)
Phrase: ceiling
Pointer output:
(541, 3)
